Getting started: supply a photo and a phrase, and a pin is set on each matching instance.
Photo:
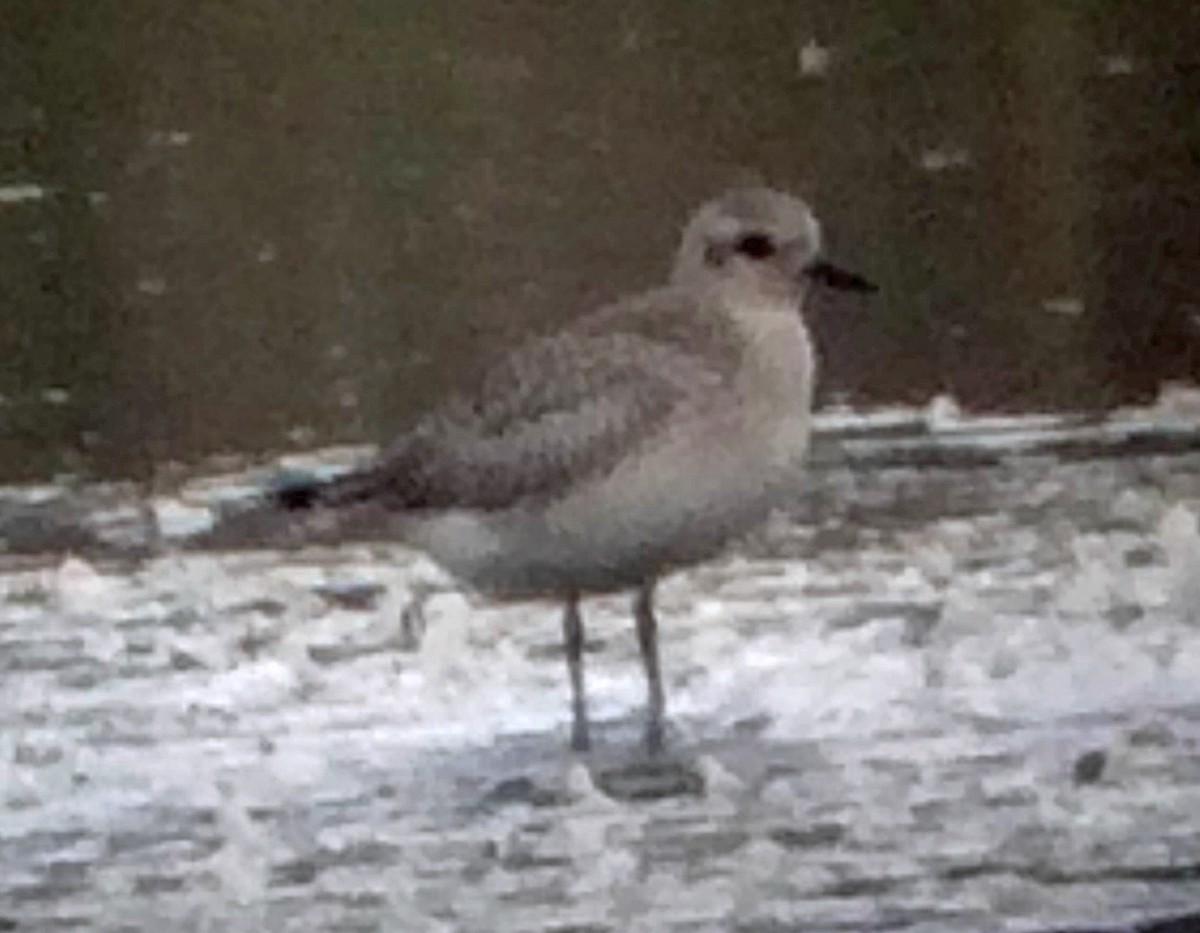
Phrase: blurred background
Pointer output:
(262, 225)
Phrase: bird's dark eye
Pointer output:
(756, 246)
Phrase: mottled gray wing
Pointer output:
(559, 409)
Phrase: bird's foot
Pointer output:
(581, 740)
(653, 737)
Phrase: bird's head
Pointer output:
(759, 242)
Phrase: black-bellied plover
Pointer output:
(640, 439)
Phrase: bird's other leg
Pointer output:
(647, 631)
(412, 617)
(573, 638)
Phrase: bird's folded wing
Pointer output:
(552, 413)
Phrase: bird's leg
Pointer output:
(573, 638)
(647, 631)
(412, 618)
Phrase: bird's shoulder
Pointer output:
(649, 350)
(678, 320)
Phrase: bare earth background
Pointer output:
(945, 697)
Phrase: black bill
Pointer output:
(826, 273)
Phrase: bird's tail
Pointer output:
(300, 511)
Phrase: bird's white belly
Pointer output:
(675, 503)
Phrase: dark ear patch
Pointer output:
(715, 254)
(297, 495)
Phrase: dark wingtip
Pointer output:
(297, 495)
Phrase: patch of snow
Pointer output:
(890, 711)
(15, 194)
(77, 588)
(812, 59)
(941, 159)
(1179, 535)
(177, 519)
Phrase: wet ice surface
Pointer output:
(931, 700)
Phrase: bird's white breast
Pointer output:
(777, 379)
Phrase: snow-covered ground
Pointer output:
(929, 699)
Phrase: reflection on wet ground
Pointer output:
(937, 699)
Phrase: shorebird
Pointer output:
(640, 439)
